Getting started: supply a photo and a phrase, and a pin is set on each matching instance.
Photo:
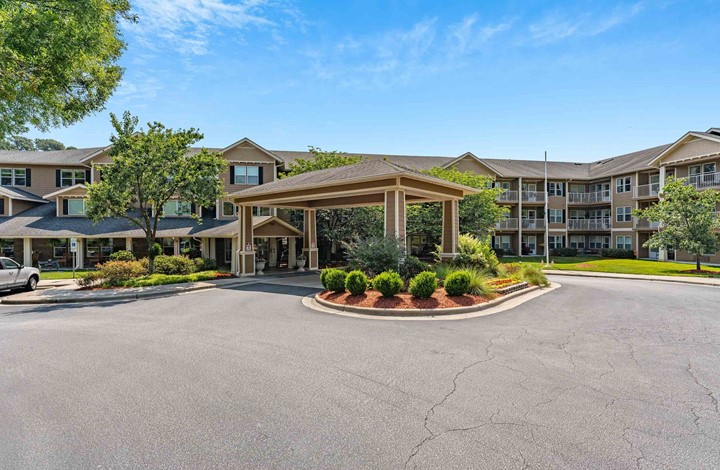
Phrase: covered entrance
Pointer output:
(368, 183)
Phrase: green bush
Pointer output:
(374, 255)
(478, 283)
(204, 264)
(476, 253)
(564, 252)
(115, 273)
(457, 283)
(388, 283)
(323, 276)
(155, 250)
(335, 280)
(423, 285)
(533, 275)
(122, 255)
(442, 270)
(174, 265)
(411, 267)
(356, 282)
(617, 253)
(90, 278)
(164, 279)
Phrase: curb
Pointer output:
(422, 312)
(706, 281)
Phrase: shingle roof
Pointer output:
(53, 157)
(411, 161)
(19, 194)
(628, 163)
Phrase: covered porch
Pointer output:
(368, 183)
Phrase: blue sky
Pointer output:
(582, 80)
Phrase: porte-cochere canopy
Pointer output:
(368, 183)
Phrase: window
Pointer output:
(176, 208)
(7, 247)
(229, 209)
(502, 184)
(168, 246)
(623, 185)
(709, 168)
(575, 214)
(623, 214)
(577, 241)
(598, 242)
(71, 177)
(10, 264)
(246, 174)
(555, 216)
(228, 250)
(577, 188)
(76, 207)
(555, 241)
(61, 249)
(623, 242)
(13, 177)
(502, 241)
(556, 189)
(261, 211)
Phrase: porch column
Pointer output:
(27, 252)
(204, 247)
(128, 243)
(450, 229)
(292, 257)
(245, 248)
(234, 258)
(662, 177)
(272, 251)
(519, 219)
(395, 215)
(176, 246)
(310, 239)
(212, 248)
(80, 255)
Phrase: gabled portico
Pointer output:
(368, 183)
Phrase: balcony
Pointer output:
(645, 224)
(533, 224)
(589, 198)
(589, 224)
(533, 196)
(646, 190)
(705, 181)
(508, 196)
(507, 224)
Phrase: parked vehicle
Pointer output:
(17, 276)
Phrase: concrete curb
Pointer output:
(705, 281)
(422, 312)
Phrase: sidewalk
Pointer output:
(62, 291)
(704, 281)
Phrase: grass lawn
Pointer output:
(50, 275)
(621, 266)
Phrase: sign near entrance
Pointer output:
(73, 245)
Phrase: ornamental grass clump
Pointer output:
(423, 285)
(388, 283)
(356, 282)
(479, 283)
(533, 275)
(335, 280)
(457, 283)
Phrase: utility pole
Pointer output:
(547, 218)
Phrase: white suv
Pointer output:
(14, 276)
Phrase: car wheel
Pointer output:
(31, 284)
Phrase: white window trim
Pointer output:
(74, 180)
(245, 176)
(14, 177)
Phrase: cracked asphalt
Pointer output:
(601, 374)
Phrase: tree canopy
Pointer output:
(150, 168)
(687, 218)
(320, 160)
(58, 60)
(18, 142)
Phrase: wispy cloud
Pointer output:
(559, 26)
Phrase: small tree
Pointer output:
(148, 169)
(687, 219)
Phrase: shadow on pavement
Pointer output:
(297, 291)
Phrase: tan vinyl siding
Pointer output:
(42, 180)
(268, 176)
(20, 206)
(624, 199)
(470, 164)
(691, 149)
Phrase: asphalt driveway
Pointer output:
(597, 374)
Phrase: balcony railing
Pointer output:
(647, 190)
(704, 181)
(645, 223)
(589, 224)
(508, 196)
(589, 198)
(533, 196)
(507, 224)
(533, 224)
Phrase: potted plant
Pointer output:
(260, 265)
(301, 260)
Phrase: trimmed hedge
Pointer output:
(356, 282)
(122, 255)
(617, 253)
(335, 280)
(457, 283)
(388, 283)
(423, 285)
(563, 252)
(173, 265)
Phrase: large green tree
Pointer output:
(687, 219)
(478, 213)
(18, 142)
(58, 60)
(149, 168)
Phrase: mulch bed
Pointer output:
(403, 300)
(702, 271)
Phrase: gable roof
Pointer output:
(245, 140)
(710, 135)
(472, 156)
(62, 191)
(52, 157)
(20, 195)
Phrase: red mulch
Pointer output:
(403, 300)
(702, 271)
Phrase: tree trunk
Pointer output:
(151, 254)
(697, 262)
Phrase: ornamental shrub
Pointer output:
(335, 280)
(374, 255)
(479, 283)
(388, 283)
(617, 253)
(356, 282)
(155, 250)
(564, 252)
(476, 253)
(122, 255)
(457, 283)
(174, 265)
(204, 264)
(533, 275)
(115, 273)
(89, 278)
(423, 285)
(411, 267)
(323, 276)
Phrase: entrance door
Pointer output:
(530, 243)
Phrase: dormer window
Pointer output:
(13, 177)
(245, 174)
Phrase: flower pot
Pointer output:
(301, 264)
(259, 266)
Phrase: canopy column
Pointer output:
(395, 219)
(292, 256)
(245, 247)
(272, 252)
(450, 229)
(310, 238)
(27, 252)
(128, 243)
